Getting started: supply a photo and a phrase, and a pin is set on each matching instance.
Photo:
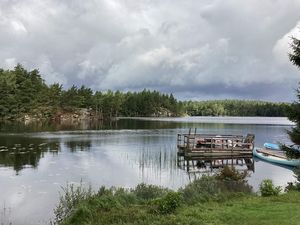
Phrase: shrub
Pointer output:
(267, 188)
(296, 185)
(167, 204)
(291, 187)
(297, 176)
(290, 152)
(115, 196)
(215, 188)
(230, 173)
(147, 192)
(201, 190)
(231, 180)
(105, 202)
(125, 196)
(69, 200)
(81, 214)
(104, 191)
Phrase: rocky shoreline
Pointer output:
(71, 115)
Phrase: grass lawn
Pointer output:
(245, 210)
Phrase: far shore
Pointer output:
(284, 121)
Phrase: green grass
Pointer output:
(244, 210)
(210, 200)
(252, 210)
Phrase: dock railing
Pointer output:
(189, 144)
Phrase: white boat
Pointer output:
(275, 156)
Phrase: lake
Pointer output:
(36, 160)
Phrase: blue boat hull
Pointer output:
(277, 160)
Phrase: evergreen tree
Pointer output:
(294, 110)
(295, 55)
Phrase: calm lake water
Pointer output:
(37, 160)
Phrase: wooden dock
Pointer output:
(207, 145)
(205, 153)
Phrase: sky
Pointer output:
(196, 49)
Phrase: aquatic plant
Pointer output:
(5, 215)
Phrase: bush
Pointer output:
(115, 197)
(267, 188)
(69, 200)
(289, 151)
(167, 204)
(230, 173)
(291, 187)
(81, 214)
(231, 180)
(297, 176)
(105, 202)
(215, 188)
(296, 185)
(147, 192)
(201, 190)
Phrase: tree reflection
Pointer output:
(20, 152)
(75, 146)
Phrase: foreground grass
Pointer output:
(243, 210)
(223, 199)
(249, 210)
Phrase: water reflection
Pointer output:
(81, 145)
(40, 126)
(145, 123)
(123, 153)
(20, 152)
(197, 166)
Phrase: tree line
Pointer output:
(25, 92)
(235, 108)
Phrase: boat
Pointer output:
(271, 146)
(275, 156)
(277, 146)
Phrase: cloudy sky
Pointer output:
(198, 49)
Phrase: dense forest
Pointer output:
(235, 108)
(24, 92)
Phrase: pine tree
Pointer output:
(295, 55)
(294, 110)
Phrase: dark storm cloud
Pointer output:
(196, 49)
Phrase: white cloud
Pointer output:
(9, 63)
(50, 75)
(282, 46)
(179, 46)
(18, 27)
